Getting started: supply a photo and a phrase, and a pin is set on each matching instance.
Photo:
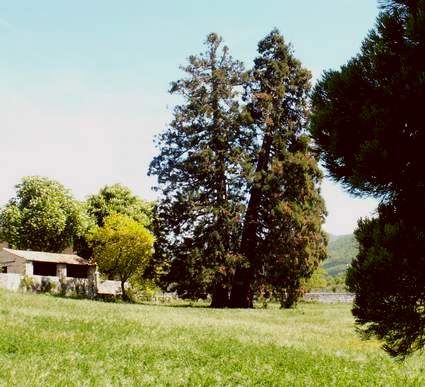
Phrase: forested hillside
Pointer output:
(342, 249)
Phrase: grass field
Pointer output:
(52, 341)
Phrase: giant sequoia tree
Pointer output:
(199, 174)
(282, 240)
(241, 207)
(368, 124)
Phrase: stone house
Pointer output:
(33, 263)
(60, 269)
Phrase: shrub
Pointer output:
(28, 284)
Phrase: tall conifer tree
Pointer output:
(199, 175)
(282, 240)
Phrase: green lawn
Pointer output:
(52, 341)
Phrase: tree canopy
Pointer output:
(117, 198)
(368, 125)
(43, 216)
(112, 199)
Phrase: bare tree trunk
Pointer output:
(123, 291)
(242, 293)
(220, 298)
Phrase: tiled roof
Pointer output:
(41, 256)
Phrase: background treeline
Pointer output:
(112, 227)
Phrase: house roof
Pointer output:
(41, 256)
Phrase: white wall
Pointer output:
(10, 281)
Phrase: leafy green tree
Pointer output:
(118, 199)
(112, 199)
(122, 247)
(282, 241)
(43, 216)
(199, 170)
(368, 125)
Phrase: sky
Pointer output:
(84, 84)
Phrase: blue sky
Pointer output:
(84, 83)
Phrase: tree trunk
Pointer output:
(289, 298)
(242, 293)
(123, 292)
(220, 298)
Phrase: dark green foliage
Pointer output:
(282, 238)
(388, 277)
(342, 249)
(368, 124)
(241, 208)
(367, 116)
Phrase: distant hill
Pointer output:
(342, 249)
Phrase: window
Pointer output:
(44, 268)
(3, 269)
(76, 271)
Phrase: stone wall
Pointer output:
(109, 287)
(65, 286)
(329, 297)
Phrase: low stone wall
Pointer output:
(329, 297)
(65, 285)
(10, 281)
(38, 283)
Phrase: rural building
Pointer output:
(63, 270)
(36, 263)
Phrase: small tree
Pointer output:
(317, 280)
(112, 199)
(42, 216)
(122, 247)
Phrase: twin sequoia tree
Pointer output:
(241, 210)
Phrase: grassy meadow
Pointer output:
(46, 340)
